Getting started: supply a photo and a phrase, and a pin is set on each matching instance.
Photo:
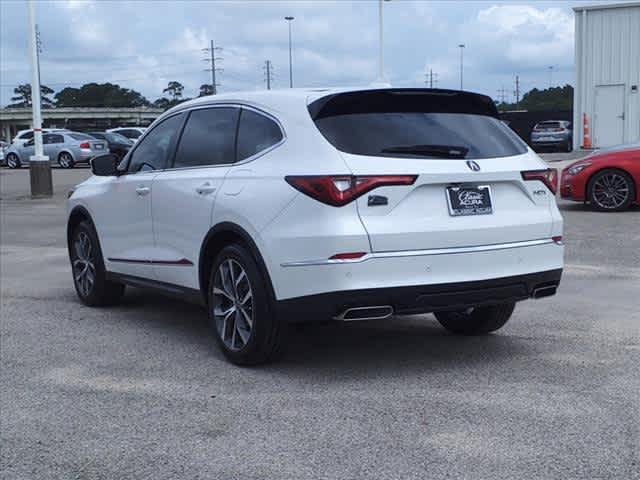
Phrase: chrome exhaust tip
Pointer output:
(546, 291)
(365, 313)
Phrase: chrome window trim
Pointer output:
(188, 110)
(420, 253)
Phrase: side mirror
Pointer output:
(105, 165)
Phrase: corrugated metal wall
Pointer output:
(607, 52)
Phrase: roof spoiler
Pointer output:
(403, 100)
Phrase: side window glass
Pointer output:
(256, 133)
(208, 138)
(27, 135)
(47, 139)
(154, 150)
(56, 139)
(30, 143)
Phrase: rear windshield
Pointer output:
(419, 126)
(81, 136)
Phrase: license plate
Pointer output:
(469, 200)
(546, 139)
(99, 147)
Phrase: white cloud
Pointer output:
(522, 36)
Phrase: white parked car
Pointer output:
(302, 205)
(132, 133)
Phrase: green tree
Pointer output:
(100, 95)
(555, 98)
(166, 103)
(205, 89)
(23, 96)
(174, 89)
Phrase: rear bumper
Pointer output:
(419, 298)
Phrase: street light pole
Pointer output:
(39, 167)
(289, 19)
(461, 62)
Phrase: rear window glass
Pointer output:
(81, 136)
(417, 125)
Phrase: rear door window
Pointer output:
(415, 124)
(256, 133)
(208, 138)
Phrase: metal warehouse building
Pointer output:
(607, 56)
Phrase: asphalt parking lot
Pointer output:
(140, 390)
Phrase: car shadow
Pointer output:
(365, 348)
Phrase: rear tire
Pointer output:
(241, 310)
(611, 190)
(87, 267)
(65, 160)
(13, 161)
(478, 320)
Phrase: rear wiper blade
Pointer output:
(444, 151)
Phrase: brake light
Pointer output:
(338, 190)
(549, 177)
(84, 145)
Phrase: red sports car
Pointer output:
(609, 179)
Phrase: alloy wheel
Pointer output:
(232, 304)
(84, 270)
(65, 160)
(610, 191)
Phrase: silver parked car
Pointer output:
(554, 134)
(66, 148)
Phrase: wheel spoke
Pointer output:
(247, 317)
(219, 291)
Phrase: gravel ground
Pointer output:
(140, 390)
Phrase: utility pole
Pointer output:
(39, 166)
(461, 46)
(550, 75)
(517, 92)
(502, 94)
(212, 59)
(268, 69)
(289, 19)
(431, 78)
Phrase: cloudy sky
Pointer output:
(145, 44)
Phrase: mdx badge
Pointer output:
(473, 165)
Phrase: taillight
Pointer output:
(549, 177)
(338, 190)
(84, 145)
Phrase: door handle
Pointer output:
(205, 189)
(142, 191)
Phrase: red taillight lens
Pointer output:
(549, 177)
(338, 190)
(347, 256)
(84, 145)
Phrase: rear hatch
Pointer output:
(469, 187)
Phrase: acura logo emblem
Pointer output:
(473, 165)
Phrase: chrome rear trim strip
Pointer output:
(420, 253)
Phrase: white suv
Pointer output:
(301, 205)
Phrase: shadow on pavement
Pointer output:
(382, 347)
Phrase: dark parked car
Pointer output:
(118, 144)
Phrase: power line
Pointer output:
(212, 61)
